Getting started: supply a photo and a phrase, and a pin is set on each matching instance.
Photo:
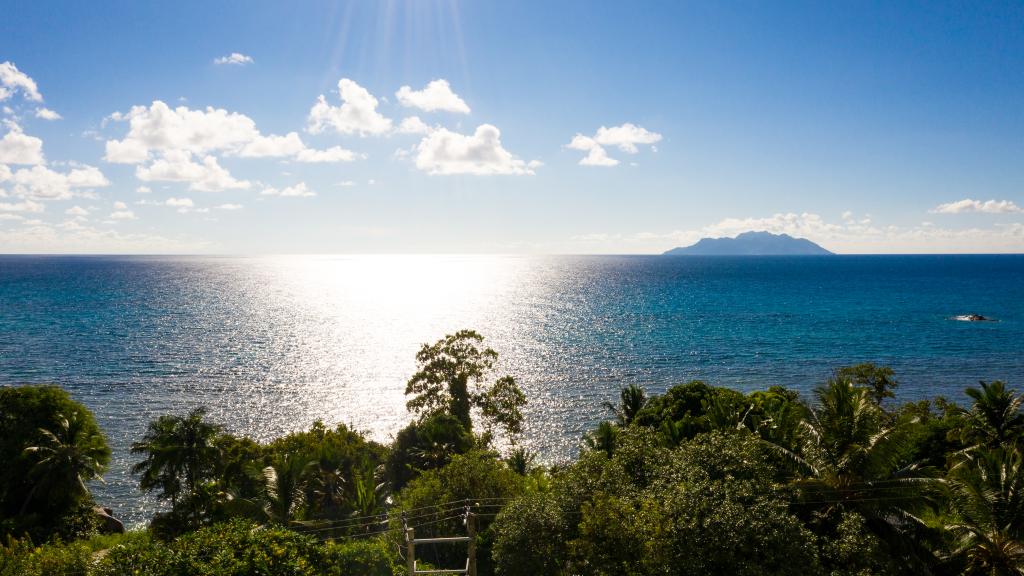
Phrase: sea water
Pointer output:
(270, 345)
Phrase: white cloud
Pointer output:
(229, 207)
(41, 183)
(16, 147)
(626, 137)
(143, 190)
(77, 211)
(178, 166)
(413, 125)
(333, 154)
(159, 129)
(447, 152)
(87, 177)
(120, 206)
(180, 203)
(297, 191)
(13, 80)
(41, 238)
(437, 95)
(23, 206)
(346, 183)
(356, 115)
(234, 58)
(184, 205)
(122, 215)
(272, 146)
(969, 205)
(5, 174)
(47, 114)
(596, 154)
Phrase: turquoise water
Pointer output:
(272, 344)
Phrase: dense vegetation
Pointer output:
(698, 480)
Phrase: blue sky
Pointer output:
(550, 127)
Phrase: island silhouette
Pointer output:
(751, 244)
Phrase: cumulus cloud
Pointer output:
(413, 125)
(969, 205)
(143, 190)
(168, 135)
(596, 154)
(437, 95)
(77, 212)
(121, 212)
(272, 146)
(333, 154)
(297, 191)
(22, 206)
(356, 115)
(234, 58)
(626, 138)
(13, 80)
(178, 166)
(180, 203)
(16, 147)
(42, 183)
(229, 207)
(47, 114)
(481, 153)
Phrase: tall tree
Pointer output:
(632, 399)
(180, 454)
(995, 418)
(879, 380)
(452, 377)
(850, 458)
(67, 457)
(987, 495)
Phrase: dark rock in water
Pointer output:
(973, 318)
(751, 244)
(108, 524)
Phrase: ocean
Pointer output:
(272, 344)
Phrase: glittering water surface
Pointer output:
(271, 344)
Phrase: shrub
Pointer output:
(361, 558)
(477, 475)
(49, 445)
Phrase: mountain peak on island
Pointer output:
(751, 244)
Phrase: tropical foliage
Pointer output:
(697, 480)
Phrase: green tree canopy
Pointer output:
(452, 377)
(51, 447)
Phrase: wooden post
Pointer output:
(471, 532)
(410, 550)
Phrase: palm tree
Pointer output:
(180, 455)
(632, 399)
(284, 485)
(987, 495)
(995, 418)
(603, 438)
(850, 459)
(327, 486)
(69, 456)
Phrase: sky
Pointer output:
(509, 127)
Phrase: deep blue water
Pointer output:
(271, 344)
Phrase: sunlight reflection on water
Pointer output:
(270, 345)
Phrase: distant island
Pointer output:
(751, 244)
